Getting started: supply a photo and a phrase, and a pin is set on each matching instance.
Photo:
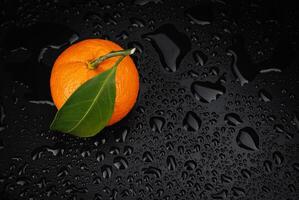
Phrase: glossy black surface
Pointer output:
(217, 116)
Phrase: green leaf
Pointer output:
(88, 110)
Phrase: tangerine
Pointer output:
(71, 70)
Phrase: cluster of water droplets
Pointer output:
(215, 118)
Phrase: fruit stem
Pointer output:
(95, 63)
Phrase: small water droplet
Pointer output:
(106, 171)
(147, 157)
(296, 167)
(248, 139)
(100, 156)
(201, 14)
(264, 95)
(121, 135)
(157, 123)
(238, 192)
(268, 166)
(220, 195)
(233, 119)
(207, 91)
(246, 173)
(137, 23)
(226, 179)
(191, 121)
(120, 163)
(171, 45)
(190, 165)
(278, 158)
(171, 163)
(200, 58)
(152, 171)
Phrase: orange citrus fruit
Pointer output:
(70, 71)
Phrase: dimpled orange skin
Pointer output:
(70, 71)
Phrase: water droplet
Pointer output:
(238, 192)
(236, 62)
(248, 139)
(220, 195)
(157, 123)
(268, 166)
(246, 173)
(264, 96)
(128, 150)
(121, 135)
(171, 163)
(38, 152)
(152, 171)
(200, 58)
(171, 46)
(278, 158)
(100, 156)
(190, 165)
(106, 171)
(233, 119)
(296, 167)
(207, 91)
(147, 157)
(137, 23)
(120, 163)
(63, 172)
(226, 179)
(201, 14)
(191, 121)
(114, 150)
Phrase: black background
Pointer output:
(219, 120)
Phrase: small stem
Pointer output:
(94, 63)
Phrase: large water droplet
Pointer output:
(207, 91)
(171, 46)
(157, 123)
(233, 119)
(171, 163)
(191, 121)
(201, 14)
(248, 139)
